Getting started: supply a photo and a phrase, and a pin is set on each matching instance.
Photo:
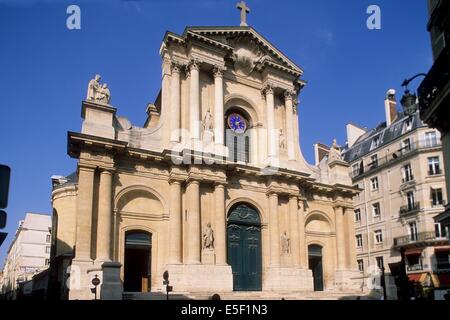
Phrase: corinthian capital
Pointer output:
(194, 63)
(175, 67)
(218, 71)
(288, 94)
(268, 89)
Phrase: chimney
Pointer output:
(390, 107)
(353, 133)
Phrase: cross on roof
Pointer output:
(244, 10)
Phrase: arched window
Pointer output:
(238, 136)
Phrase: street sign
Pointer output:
(96, 281)
(2, 219)
(5, 174)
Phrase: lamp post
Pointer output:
(95, 282)
(166, 282)
(409, 99)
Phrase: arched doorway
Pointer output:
(244, 247)
(137, 267)
(315, 265)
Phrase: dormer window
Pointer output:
(407, 125)
(375, 143)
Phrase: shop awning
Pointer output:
(441, 280)
(442, 249)
(417, 277)
(413, 252)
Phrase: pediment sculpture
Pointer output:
(246, 56)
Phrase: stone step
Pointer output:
(259, 295)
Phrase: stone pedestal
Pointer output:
(287, 260)
(287, 279)
(111, 286)
(208, 256)
(80, 280)
(98, 119)
(200, 278)
(347, 280)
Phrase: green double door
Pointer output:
(244, 248)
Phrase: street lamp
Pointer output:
(409, 99)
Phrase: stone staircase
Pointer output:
(259, 295)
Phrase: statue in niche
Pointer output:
(207, 128)
(285, 243)
(208, 237)
(282, 140)
(98, 92)
(335, 152)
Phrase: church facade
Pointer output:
(213, 189)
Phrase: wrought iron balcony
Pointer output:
(433, 92)
(443, 203)
(434, 172)
(414, 267)
(410, 208)
(418, 238)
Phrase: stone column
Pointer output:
(270, 115)
(289, 124)
(104, 225)
(351, 248)
(220, 224)
(274, 230)
(302, 236)
(294, 230)
(194, 101)
(340, 237)
(84, 212)
(218, 106)
(175, 226)
(193, 222)
(175, 103)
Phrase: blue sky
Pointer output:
(44, 69)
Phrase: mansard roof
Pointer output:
(385, 134)
(219, 36)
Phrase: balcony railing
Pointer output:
(443, 203)
(414, 267)
(434, 172)
(416, 238)
(395, 156)
(408, 178)
(410, 208)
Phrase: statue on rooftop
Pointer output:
(335, 152)
(98, 92)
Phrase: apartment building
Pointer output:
(28, 254)
(399, 168)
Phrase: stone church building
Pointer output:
(213, 188)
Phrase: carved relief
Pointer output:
(246, 55)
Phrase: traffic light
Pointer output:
(5, 174)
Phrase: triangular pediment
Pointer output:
(233, 36)
(244, 40)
